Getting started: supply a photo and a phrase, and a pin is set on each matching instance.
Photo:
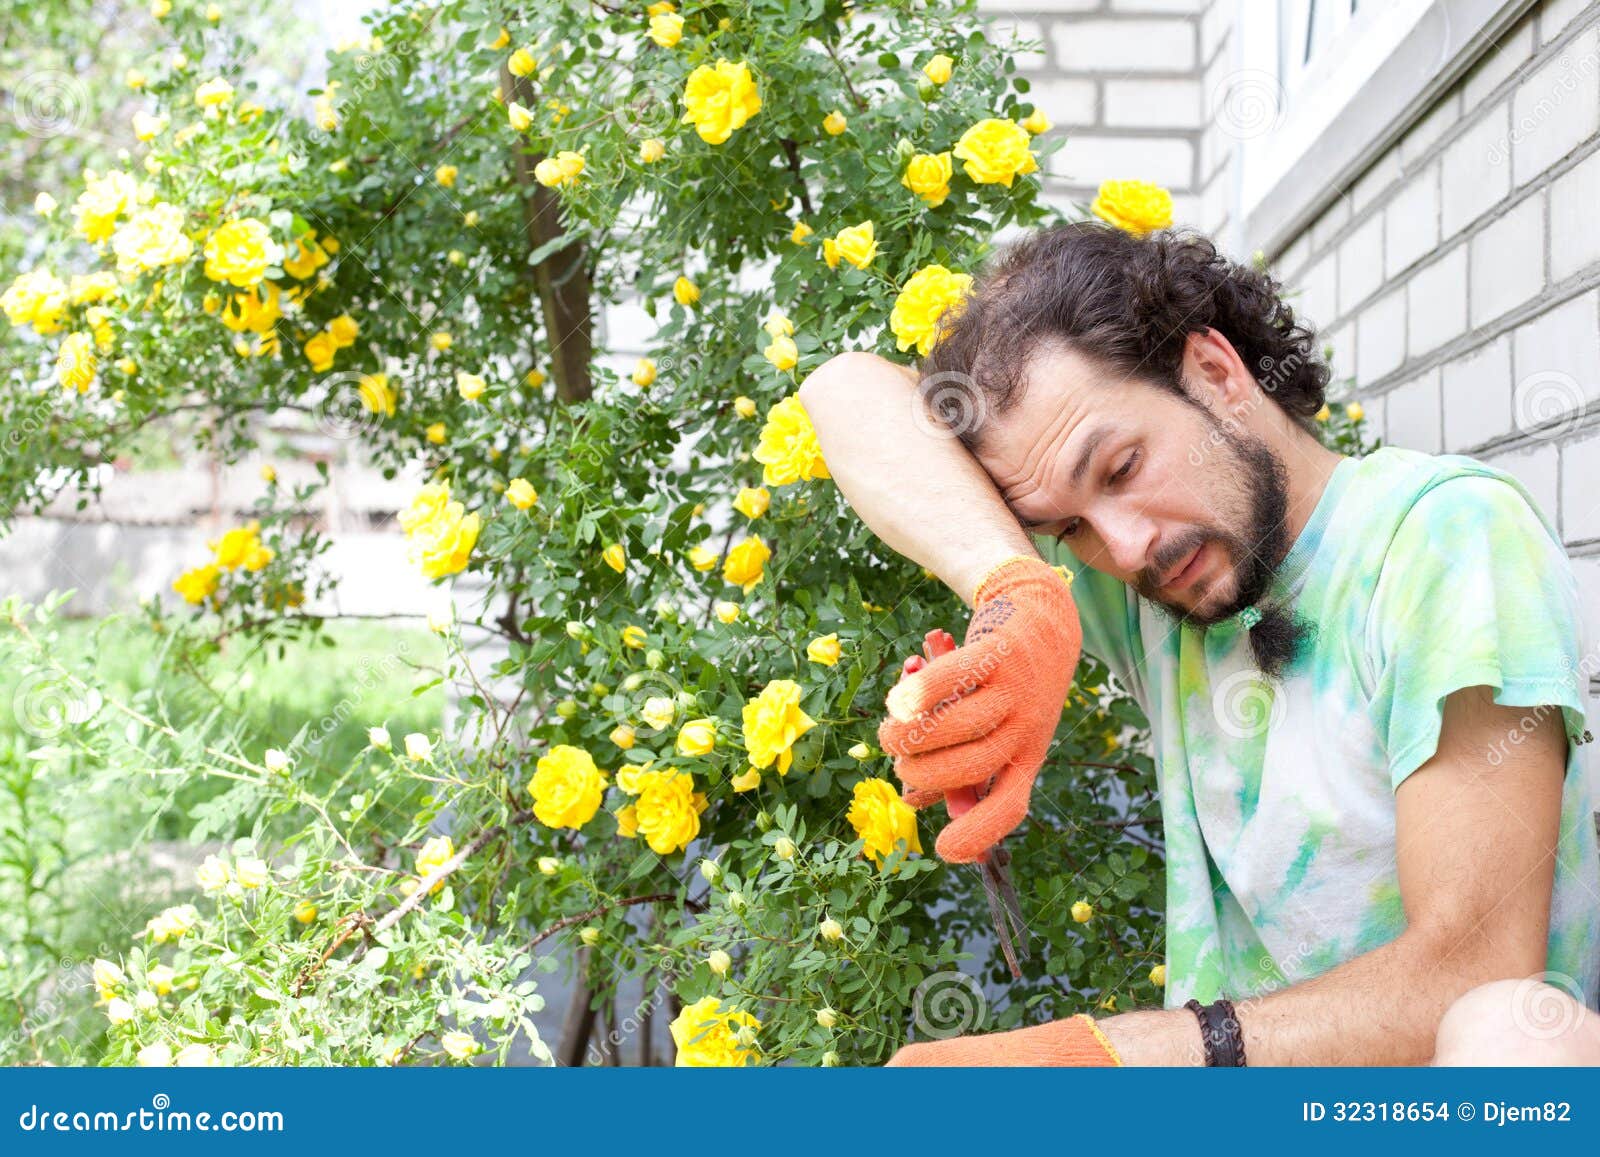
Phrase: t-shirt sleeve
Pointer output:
(1474, 591)
(1108, 611)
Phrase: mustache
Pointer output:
(1148, 581)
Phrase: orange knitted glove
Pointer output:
(988, 710)
(1076, 1042)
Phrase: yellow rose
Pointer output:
(928, 176)
(666, 29)
(1037, 123)
(834, 123)
(213, 94)
(718, 100)
(434, 855)
(939, 69)
(470, 386)
(752, 502)
(197, 585)
(459, 1045)
(1158, 976)
(1138, 207)
(773, 721)
(697, 737)
(651, 151)
(419, 748)
(521, 494)
(659, 711)
(668, 809)
(562, 169)
(212, 874)
(996, 152)
(103, 200)
(76, 364)
(857, 245)
(378, 396)
(1323, 414)
(1082, 912)
(927, 294)
(251, 872)
(436, 433)
(446, 176)
(882, 819)
(622, 735)
(567, 787)
(172, 923)
(518, 117)
(441, 533)
(788, 448)
(521, 63)
(707, 1036)
(744, 407)
(628, 821)
(500, 41)
(702, 558)
(726, 612)
(831, 929)
(92, 287)
(152, 238)
(1355, 411)
(257, 310)
(824, 649)
(240, 251)
(685, 292)
(241, 547)
(782, 353)
(37, 298)
(343, 330)
(746, 563)
(615, 556)
(320, 349)
(748, 780)
(644, 373)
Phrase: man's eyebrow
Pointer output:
(1086, 455)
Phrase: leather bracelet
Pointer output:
(1220, 1032)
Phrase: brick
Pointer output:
(1556, 15)
(1186, 7)
(1153, 104)
(1537, 468)
(1215, 200)
(1339, 349)
(1508, 260)
(1124, 45)
(1087, 160)
(1215, 24)
(1422, 136)
(1556, 108)
(1053, 6)
(1574, 232)
(1436, 303)
(1069, 103)
(1412, 415)
(1328, 223)
(1411, 222)
(1380, 175)
(1318, 297)
(1187, 210)
(1580, 491)
(1477, 396)
(1477, 170)
(1360, 264)
(1556, 357)
(1289, 263)
(1381, 337)
(1498, 63)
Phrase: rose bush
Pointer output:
(665, 772)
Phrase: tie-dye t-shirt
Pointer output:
(1422, 575)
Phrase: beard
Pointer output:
(1259, 485)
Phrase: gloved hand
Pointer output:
(1076, 1042)
(990, 709)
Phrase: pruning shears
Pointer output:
(1004, 910)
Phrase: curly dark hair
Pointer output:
(1127, 301)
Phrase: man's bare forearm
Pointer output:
(918, 489)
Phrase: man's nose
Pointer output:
(1129, 543)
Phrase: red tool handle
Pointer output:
(936, 643)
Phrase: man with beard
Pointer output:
(1362, 675)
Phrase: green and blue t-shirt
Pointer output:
(1422, 575)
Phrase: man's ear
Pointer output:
(1216, 373)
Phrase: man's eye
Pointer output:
(1126, 468)
(1069, 528)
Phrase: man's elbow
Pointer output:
(848, 375)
